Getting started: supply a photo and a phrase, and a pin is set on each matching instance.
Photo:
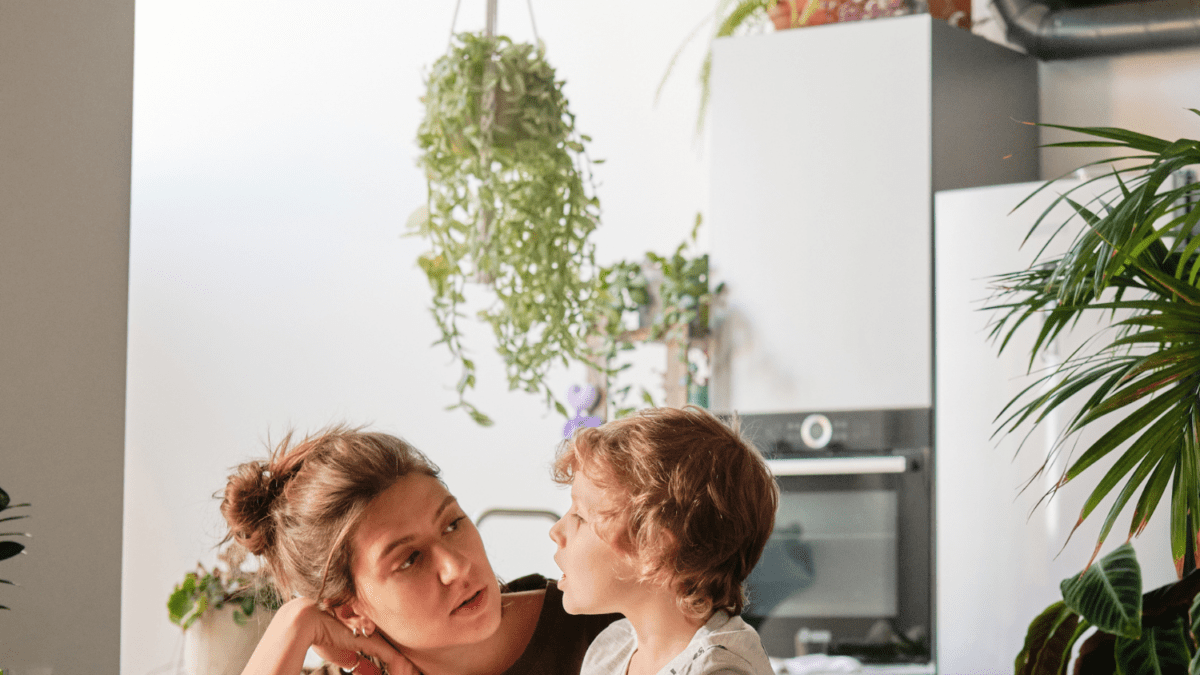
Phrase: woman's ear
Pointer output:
(351, 616)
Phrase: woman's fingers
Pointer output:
(349, 650)
(397, 663)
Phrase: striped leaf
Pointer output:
(1049, 641)
(1161, 650)
(1109, 593)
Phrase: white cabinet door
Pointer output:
(820, 214)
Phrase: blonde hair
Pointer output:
(695, 502)
(299, 507)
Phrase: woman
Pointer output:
(382, 562)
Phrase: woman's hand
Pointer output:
(300, 624)
(335, 643)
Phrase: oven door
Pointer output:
(848, 567)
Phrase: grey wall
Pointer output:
(66, 80)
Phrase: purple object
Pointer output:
(580, 398)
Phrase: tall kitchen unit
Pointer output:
(827, 145)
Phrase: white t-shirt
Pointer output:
(724, 645)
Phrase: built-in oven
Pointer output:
(848, 568)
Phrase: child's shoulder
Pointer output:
(724, 644)
(609, 653)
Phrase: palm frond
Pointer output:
(1134, 258)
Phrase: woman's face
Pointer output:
(420, 571)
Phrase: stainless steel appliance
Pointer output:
(848, 569)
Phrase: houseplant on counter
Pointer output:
(1137, 259)
(671, 300)
(223, 613)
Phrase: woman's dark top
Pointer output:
(559, 640)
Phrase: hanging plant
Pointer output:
(511, 206)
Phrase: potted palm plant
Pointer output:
(9, 548)
(1137, 259)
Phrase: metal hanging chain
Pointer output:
(537, 40)
(490, 29)
(454, 20)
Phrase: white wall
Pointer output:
(269, 286)
(66, 77)
(1148, 92)
(273, 171)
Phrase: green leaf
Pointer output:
(194, 612)
(1048, 641)
(1151, 495)
(418, 221)
(179, 604)
(1109, 593)
(9, 549)
(1161, 650)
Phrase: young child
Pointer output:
(670, 510)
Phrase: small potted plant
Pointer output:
(671, 298)
(223, 612)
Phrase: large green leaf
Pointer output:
(9, 549)
(1161, 650)
(1109, 593)
(1049, 641)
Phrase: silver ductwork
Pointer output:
(1098, 31)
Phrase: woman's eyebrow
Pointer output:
(392, 546)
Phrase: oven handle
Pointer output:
(831, 466)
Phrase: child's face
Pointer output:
(597, 579)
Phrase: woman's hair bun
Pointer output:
(251, 493)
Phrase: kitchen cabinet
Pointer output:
(827, 144)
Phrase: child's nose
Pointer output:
(556, 534)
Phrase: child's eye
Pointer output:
(454, 525)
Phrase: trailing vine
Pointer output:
(511, 206)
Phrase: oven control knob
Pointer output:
(816, 431)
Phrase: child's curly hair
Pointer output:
(695, 501)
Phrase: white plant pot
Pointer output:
(216, 645)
